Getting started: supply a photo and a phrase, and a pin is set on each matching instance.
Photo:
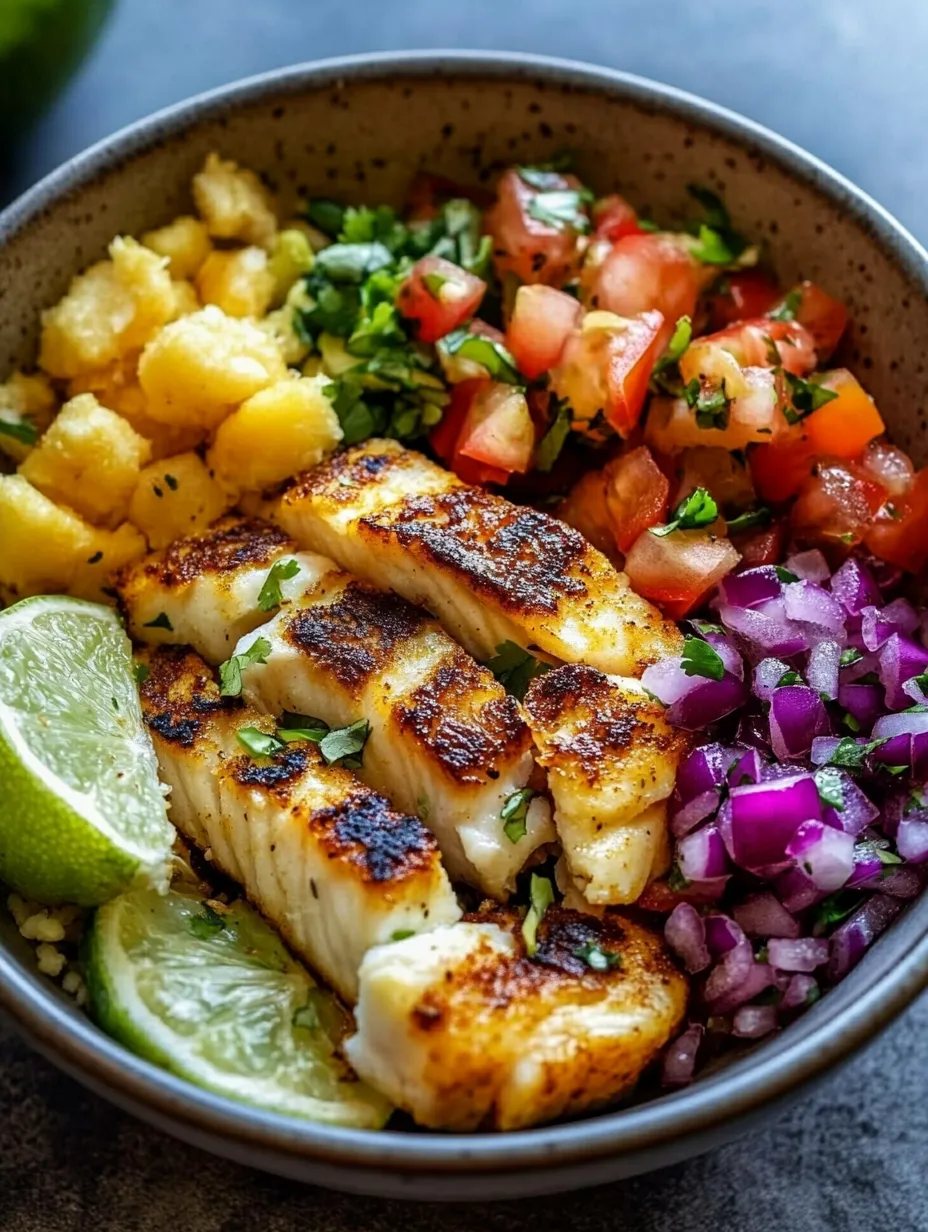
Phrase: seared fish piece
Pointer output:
(491, 571)
(328, 861)
(464, 1031)
(203, 590)
(446, 741)
(611, 758)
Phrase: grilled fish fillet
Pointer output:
(611, 758)
(328, 861)
(490, 571)
(462, 1030)
(446, 742)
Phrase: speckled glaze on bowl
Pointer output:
(359, 128)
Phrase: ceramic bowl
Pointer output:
(359, 128)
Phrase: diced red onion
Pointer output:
(754, 731)
(797, 716)
(902, 614)
(680, 1058)
(864, 702)
(731, 971)
(759, 977)
(823, 667)
(853, 937)
(797, 890)
(866, 664)
(912, 840)
(710, 701)
(750, 588)
(749, 768)
(727, 651)
(694, 811)
(767, 676)
(901, 658)
(763, 915)
(722, 934)
(768, 630)
(824, 853)
(857, 812)
(909, 723)
(701, 855)
(685, 933)
(811, 565)
(877, 625)
(903, 881)
(754, 1021)
(797, 954)
(703, 769)
(823, 749)
(668, 681)
(802, 990)
(764, 817)
(811, 604)
(854, 586)
(915, 692)
(868, 867)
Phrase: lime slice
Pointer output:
(218, 1000)
(82, 816)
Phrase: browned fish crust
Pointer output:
(357, 635)
(339, 478)
(228, 545)
(179, 695)
(469, 745)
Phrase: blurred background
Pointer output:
(840, 77)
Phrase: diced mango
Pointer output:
(185, 242)
(278, 432)
(196, 370)
(237, 281)
(27, 407)
(234, 203)
(176, 496)
(90, 459)
(112, 308)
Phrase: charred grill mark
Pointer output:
(179, 695)
(339, 478)
(355, 636)
(277, 777)
(230, 544)
(174, 729)
(386, 845)
(523, 560)
(468, 746)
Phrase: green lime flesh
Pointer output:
(217, 999)
(82, 815)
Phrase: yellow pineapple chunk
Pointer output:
(281, 327)
(278, 432)
(89, 459)
(291, 258)
(185, 242)
(197, 369)
(186, 299)
(176, 496)
(108, 551)
(27, 407)
(41, 544)
(234, 203)
(239, 282)
(112, 308)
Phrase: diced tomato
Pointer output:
(678, 569)
(542, 319)
(428, 193)
(584, 508)
(478, 473)
(900, 532)
(825, 318)
(440, 296)
(748, 342)
(523, 244)
(498, 429)
(741, 296)
(658, 896)
(722, 473)
(642, 273)
(836, 504)
(605, 368)
(889, 466)
(637, 495)
(762, 547)
(444, 436)
(843, 427)
(614, 218)
(754, 414)
(781, 468)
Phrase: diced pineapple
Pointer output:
(238, 281)
(112, 308)
(185, 242)
(176, 496)
(89, 459)
(27, 407)
(282, 327)
(109, 551)
(317, 239)
(186, 299)
(291, 258)
(41, 544)
(197, 369)
(117, 388)
(234, 203)
(279, 432)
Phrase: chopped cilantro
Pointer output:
(666, 375)
(850, 755)
(21, 430)
(700, 659)
(351, 263)
(719, 243)
(835, 908)
(345, 745)
(328, 216)
(141, 672)
(886, 857)
(302, 727)
(675, 879)
(830, 787)
(562, 208)
(257, 742)
(161, 621)
(542, 896)
(551, 444)
(785, 575)
(805, 397)
(693, 512)
(597, 959)
(921, 681)
(358, 420)
(761, 516)
(514, 813)
(789, 677)
(400, 934)
(515, 668)
(850, 656)
(788, 308)
(487, 352)
(270, 595)
(711, 404)
(712, 248)
(230, 672)
(207, 924)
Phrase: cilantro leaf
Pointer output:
(665, 375)
(492, 355)
(712, 248)
(789, 306)
(761, 516)
(327, 215)
(785, 575)
(257, 742)
(701, 659)
(597, 959)
(400, 934)
(850, 656)
(850, 755)
(515, 668)
(22, 430)
(345, 745)
(514, 813)
(302, 727)
(711, 403)
(351, 263)
(562, 208)
(830, 787)
(693, 512)
(805, 397)
(541, 894)
(230, 672)
(789, 677)
(161, 621)
(553, 441)
(270, 595)
(207, 924)
(835, 908)
(141, 672)
(719, 242)
(358, 420)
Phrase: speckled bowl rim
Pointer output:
(745, 1088)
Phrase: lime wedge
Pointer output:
(217, 999)
(82, 815)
